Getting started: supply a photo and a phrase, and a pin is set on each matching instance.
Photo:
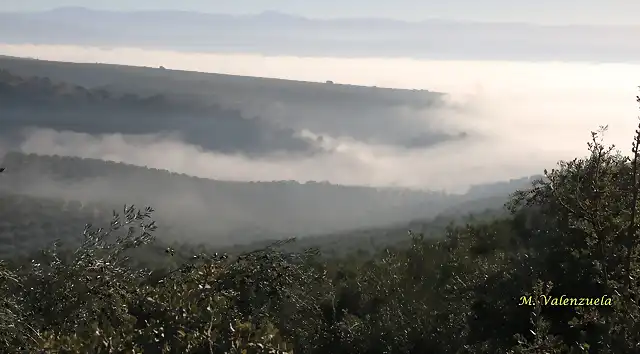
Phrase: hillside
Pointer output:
(218, 213)
(93, 75)
(369, 114)
(40, 102)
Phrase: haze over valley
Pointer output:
(369, 134)
(446, 126)
(163, 120)
(410, 136)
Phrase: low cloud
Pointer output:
(519, 118)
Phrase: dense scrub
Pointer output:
(573, 233)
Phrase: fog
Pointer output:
(520, 117)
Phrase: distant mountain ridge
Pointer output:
(274, 33)
(270, 15)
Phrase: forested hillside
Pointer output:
(40, 102)
(372, 114)
(66, 190)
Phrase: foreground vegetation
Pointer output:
(573, 233)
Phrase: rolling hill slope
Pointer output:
(368, 114)
(214, 212)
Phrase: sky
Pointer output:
(610, 12)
